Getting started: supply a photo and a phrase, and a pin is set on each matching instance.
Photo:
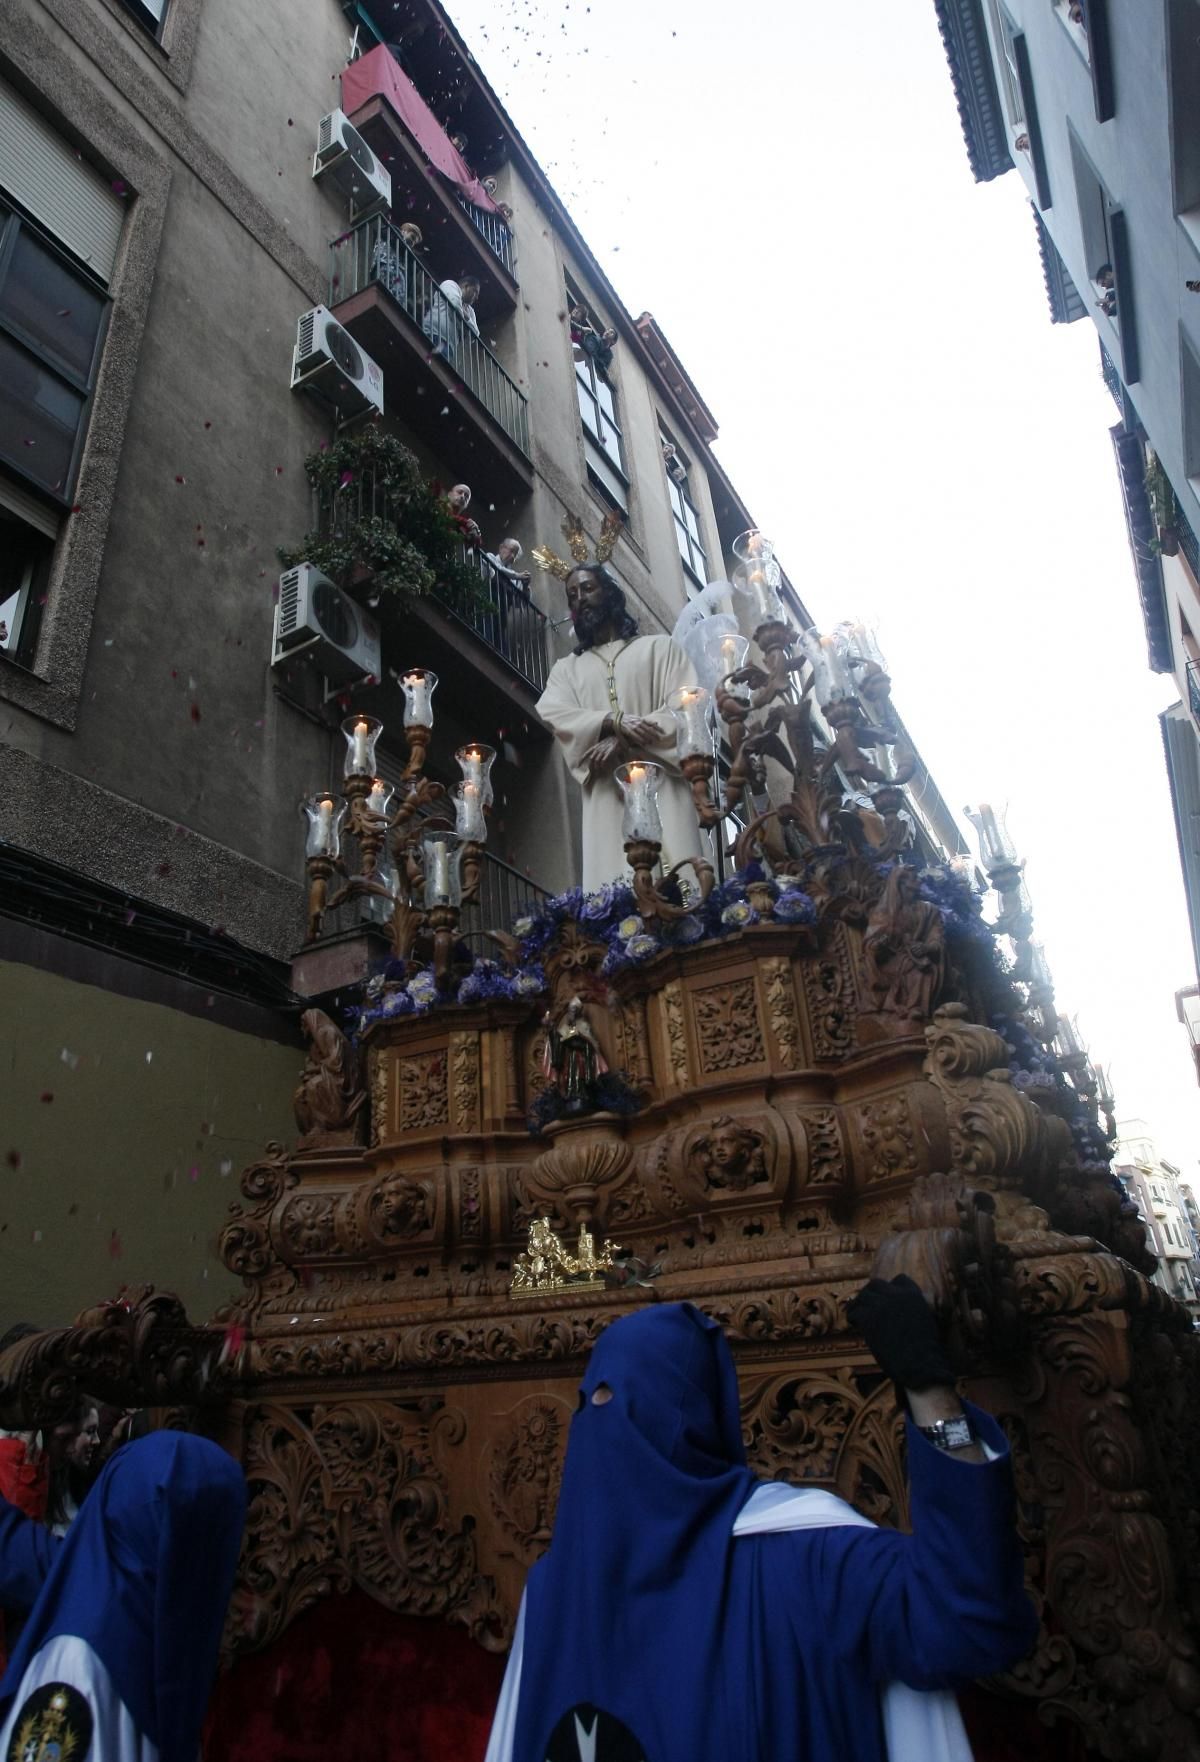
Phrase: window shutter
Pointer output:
(69, 197)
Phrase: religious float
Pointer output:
(749, 1092)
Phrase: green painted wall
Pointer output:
(128, 1124)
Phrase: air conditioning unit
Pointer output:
(313, 614)
(343, 159)
(328, 362)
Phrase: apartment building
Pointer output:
(205, 286)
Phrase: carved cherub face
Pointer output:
(729, 1146)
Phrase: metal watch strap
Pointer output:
(949, 1434)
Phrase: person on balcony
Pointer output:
(116, 1660)
(687, 1611)
(587, 340)
(503, 565)
(389, 258)
(452, 306)
(607, 703)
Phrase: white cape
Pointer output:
(920, 1725)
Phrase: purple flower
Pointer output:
(738, 913)
(794, 907)
(641, 947)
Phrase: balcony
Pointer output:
(432, 361)
(1193, 688)
(504, 894)
(503, 637)
(406, 135)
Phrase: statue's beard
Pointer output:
(590, 622)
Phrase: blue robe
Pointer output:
(652, 1632)
(142, 1578)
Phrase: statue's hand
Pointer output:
(602, 757)
(641, 730)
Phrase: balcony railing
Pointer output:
(494, 233)
(1193, 685)
(511, 625)
(374, 254)
(1187, 542)
(504, 894)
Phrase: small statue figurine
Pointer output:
(904, 948)
(730, 1155)
(573, 1059)
(546, 1265)
(330, 1095)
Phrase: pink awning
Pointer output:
(376, 75)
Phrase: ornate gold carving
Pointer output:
(677, 1052)
(781, 1011)
(727, 1025)
(424, 1101)
(886, 1129)
(464, 1078)
(547, 1266)
(525, 1469)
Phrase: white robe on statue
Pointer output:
(575, 702)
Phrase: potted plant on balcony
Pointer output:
(1163, 505)
(380, 524)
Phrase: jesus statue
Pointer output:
(607, 703)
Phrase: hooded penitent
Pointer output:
(653, 1633)
(143, 1577)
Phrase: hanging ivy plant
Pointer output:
(379, 520)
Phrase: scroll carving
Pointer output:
(829, 990)
(464, 1077)
(886, 1129)
(727, 1026)
(677, 1053)
(424, 1097)
(525, 1470)
(782, 1014)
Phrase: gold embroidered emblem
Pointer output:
(54, 1725)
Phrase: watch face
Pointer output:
(585, 1734)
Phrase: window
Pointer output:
(1003, 33)
(687, 521)
(25, 556)
(1072, 15)
(52, 316)
(1191, 406)
(601, 431)
(152, 14)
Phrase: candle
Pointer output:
(361, 760)
(325, 826)
(469, 820)
(438, 885)
(378, 799)
(729, 655)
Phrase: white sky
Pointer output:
(784, 185)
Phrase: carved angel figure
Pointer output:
(904, 948)
(330, 1094)
(730, 1155)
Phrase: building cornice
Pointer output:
(965, 40)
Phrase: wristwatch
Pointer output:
(949, 1434)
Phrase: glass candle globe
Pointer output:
(638, 781)
(441, 854)
(418, 686)
(690, 706)
(361, 734)
(475, 761)
(324, 814)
